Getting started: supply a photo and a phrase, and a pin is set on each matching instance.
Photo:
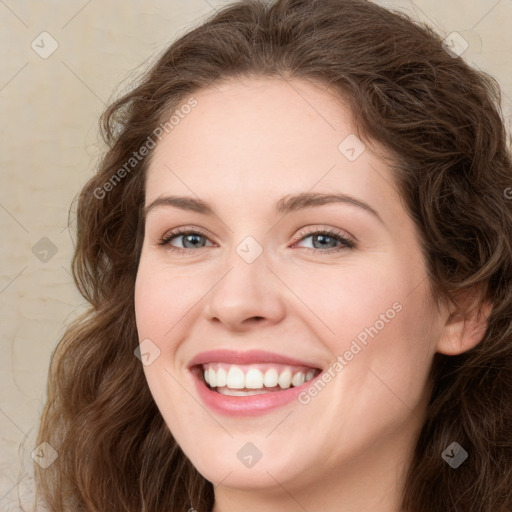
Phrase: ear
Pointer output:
(465, 324)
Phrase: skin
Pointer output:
(246, 144)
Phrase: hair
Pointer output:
(441, 121)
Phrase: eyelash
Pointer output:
(345, 242)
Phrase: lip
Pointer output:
(245, 405)
(246, 357)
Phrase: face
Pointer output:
(312, 320)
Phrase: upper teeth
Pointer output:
(254, 377)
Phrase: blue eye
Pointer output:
(188, 237)
(323, 240)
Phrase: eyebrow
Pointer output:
(286, 204)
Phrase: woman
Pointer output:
(298, 255)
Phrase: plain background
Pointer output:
(49, 146)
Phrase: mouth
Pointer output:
(253, 379)
(247, 383)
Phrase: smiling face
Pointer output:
(268, 290)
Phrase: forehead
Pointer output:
(247, 115)
(256, 139)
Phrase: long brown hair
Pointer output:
(441, 121)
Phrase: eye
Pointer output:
(326, 240)
(191, 239)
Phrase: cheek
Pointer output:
(164, 296)
(375, 317)
(353, 296)
(385, 344)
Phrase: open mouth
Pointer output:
(253, 379)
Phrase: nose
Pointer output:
(248, 295)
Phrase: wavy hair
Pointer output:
(441, 121)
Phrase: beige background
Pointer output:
(49, 145)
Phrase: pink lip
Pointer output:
(245, 405)
(246, 357)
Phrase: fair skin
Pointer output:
(245, 145)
